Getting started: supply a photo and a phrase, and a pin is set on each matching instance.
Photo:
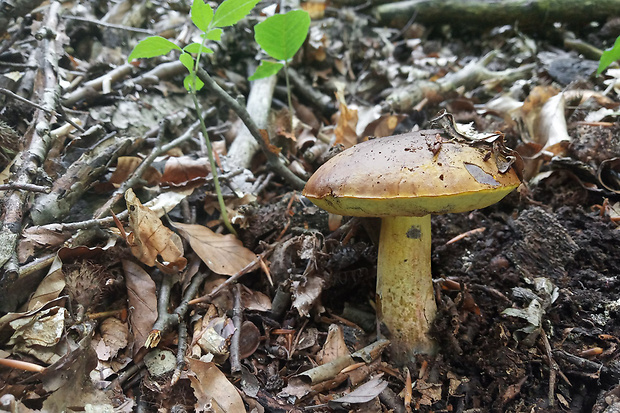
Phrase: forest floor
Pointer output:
(162, 309)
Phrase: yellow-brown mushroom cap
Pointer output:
(413, 174)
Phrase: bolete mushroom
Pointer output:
(403, 179)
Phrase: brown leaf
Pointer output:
(142, 299)
(306, 294)
(113, 338)
(51, 286)
(346, 124)
(272, 148)
(212, 389)
(126, 165)
(150, 239)
(334, 346)
(223, 254)
(184, 170)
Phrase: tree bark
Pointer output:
(530, 14)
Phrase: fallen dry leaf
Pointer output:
(51, 286)
(364, 393)
(346, 124)
(113, 338)
(150, 239)
(185, 171)
(213, 391)
(126, 165)
(142, 297)
(223, 254)
(334, 346)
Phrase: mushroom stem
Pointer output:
(405, 298)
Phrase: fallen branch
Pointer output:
(474, 73)
(38, 141)
(530, 14)
(273, 158)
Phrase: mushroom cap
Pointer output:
(413, 174)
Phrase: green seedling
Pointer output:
(281, 36)
(210, 23)
(609, 56)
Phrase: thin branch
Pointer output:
(232, 280)
(136, 177)
(110, 25)
(25, 187)
(10, 94)
(235, 363)
(272, 158)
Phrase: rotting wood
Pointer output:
(529, 14)
(70, 187)
(39, 140)
(15, 9)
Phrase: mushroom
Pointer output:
(403, 179)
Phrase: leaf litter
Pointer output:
(282, 317)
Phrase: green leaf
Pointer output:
(187, 82)
(152, 46)
(609, 56)
(188, 61)
(231, 11)
(195, 48)
(202, 14)
(213, 34)
(282, 35)
(266, 69)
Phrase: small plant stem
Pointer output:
(216, 181)
(203, 127)
(288, 95)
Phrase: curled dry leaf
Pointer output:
(347, 123)
(334, 346)
(150, 239)
(114, 335)
(223, 254)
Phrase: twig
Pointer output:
(553, 367)
(137, 174)
(110, 25)
(321, 101)
(165, 320)
(466, 234)
(96, 84)
(272, 157)
(181, 349)
(10, 94)
(22, 365)
(25, 187)
(235, 363)
(248, 268)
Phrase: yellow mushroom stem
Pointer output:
(405, 297)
